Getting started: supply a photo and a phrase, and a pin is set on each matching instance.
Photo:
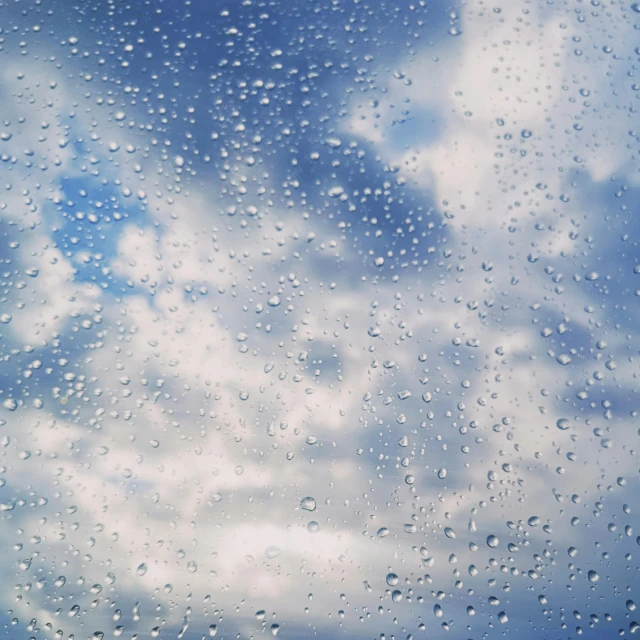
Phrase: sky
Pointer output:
(319, 319)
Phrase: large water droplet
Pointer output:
(308, 504)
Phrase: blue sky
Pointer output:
(380, 256)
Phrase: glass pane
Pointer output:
(319, 319)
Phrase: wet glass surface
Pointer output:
(319, 319)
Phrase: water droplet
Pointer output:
(492, 541)
(272, 552)
(308, 504)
